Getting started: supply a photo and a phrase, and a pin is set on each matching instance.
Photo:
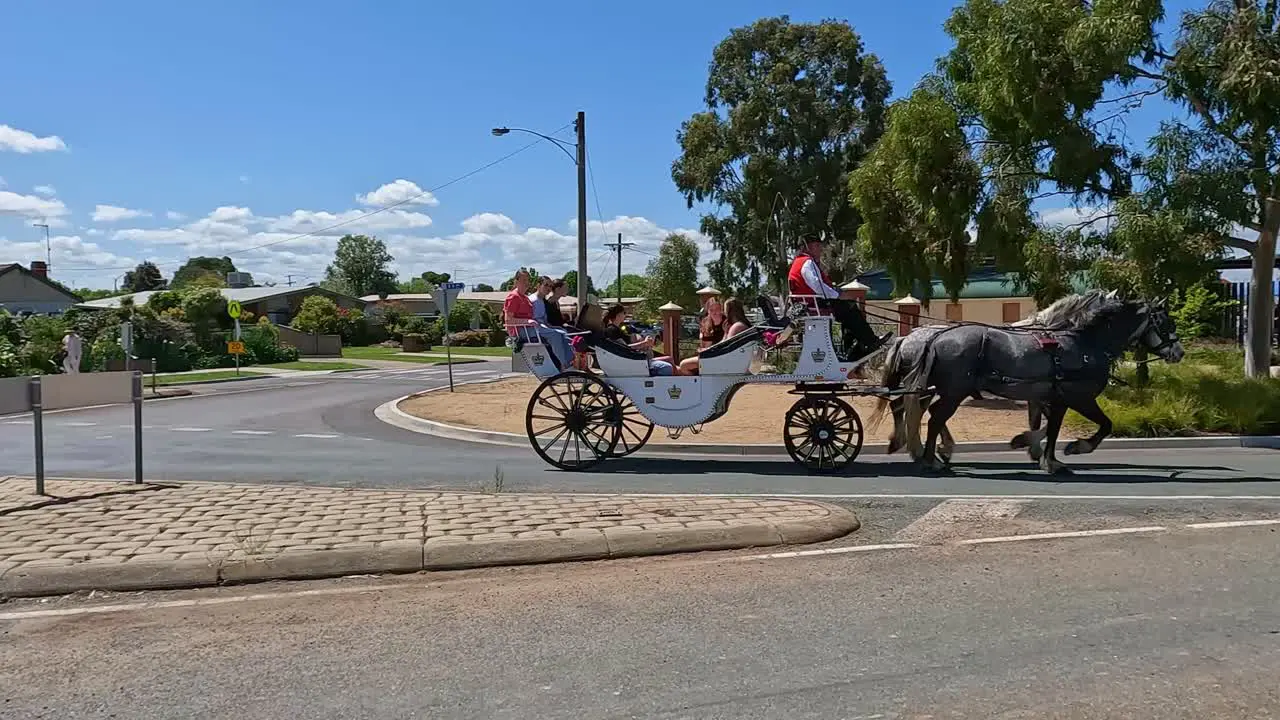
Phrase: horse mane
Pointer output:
(1074, 311)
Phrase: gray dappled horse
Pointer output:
(904, 352)
(1058, 369)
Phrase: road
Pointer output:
(321, 430)
(1180, 625)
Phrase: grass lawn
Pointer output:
(313, 365)
(433, 357)
(180, 378)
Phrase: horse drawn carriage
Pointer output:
(1060, 359)
(577, 418)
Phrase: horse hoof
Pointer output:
(1072, 448)
(1019, 441)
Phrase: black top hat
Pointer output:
(819, 236)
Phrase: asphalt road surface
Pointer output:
(1179, 625)
(321, 430)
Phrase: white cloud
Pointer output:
(231, 214)
(21, 141)
(244, 179)
(397, 193)
(93, 231)
(352, 221)
(75, 261)
(489, 224)
(46, 190)
(175, 216)
(33, 207)
(115, 213)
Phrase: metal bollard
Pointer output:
(37, 421)
(137, 427)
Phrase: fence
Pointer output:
(1235, 319)
(312, 344)
(44, 393)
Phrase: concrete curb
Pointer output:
(391, 414)
(410, 556)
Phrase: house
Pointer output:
(278, 304)
(989, 296)
(29, 290)
(424, 305)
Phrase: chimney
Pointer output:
(40, 269)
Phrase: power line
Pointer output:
(369, 213)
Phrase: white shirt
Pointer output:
(813, 278)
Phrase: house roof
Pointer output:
(983, 283)
(244, 295)
(8, 267)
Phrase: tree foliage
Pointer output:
(571, 284)
(673, 275)
(792, 108)
(361, 265)
(632, 286)
(483, 287)
(204, 271)
(146, 276)
(318, 314)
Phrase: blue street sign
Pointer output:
(453, 286)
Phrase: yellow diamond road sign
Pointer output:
(233, 309)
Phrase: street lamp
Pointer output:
(579, 158)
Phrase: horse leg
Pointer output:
(1049, 461)
(1088, 407)
(940, 411)
(896, 437)
(1032, 439)
(948, 446)
(912, 412)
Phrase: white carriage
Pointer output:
(576, 418)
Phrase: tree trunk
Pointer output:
(1257, 349)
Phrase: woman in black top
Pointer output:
(555, 318)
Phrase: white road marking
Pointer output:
(103, 437)
(315, 435)
(832, 551)
(1232, 524)
(1061, 535)
(197, 602)
(20, 422)
(78, 423)
(191, 429)
(472, 372)
(251, 432)
(942, 520)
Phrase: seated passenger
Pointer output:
(613, 331)
(720, 324)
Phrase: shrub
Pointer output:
(206, 310)
(42, 343)
(164, 300)
(10, 365)
(497, 337)
(262, 342)
(1205, 393)
(353, 326)
(1197, 313)
(318, 314)
(469, 338)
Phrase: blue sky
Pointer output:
(209, 128)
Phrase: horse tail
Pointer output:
(889, 377)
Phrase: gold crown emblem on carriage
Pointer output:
(538, 359)
(674, 392)
(818, 355)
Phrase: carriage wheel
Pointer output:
(822, 433)
(570, 420)
(633, 428)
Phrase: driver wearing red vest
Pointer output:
(807, 277)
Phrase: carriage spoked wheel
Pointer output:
(822, 433)
(633, 428)
(571, 420)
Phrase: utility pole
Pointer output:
(619, 246)
(288, 280)
(48, 249)
(581, 126)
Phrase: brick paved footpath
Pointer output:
(105, 535)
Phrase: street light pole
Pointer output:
(48, 249)
(581, 126)
(580, 159)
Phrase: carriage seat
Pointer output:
(728, 345)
